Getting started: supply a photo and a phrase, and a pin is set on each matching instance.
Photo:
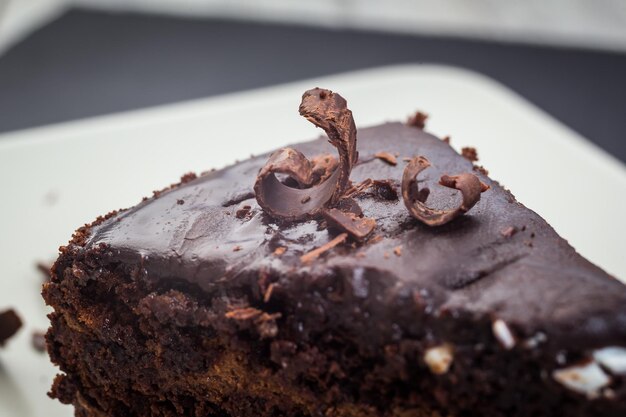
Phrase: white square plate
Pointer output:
(54, 179)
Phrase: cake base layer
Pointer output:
(129, 348)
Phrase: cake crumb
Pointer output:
(38, 341)
(10, 323)
(387, 157)
(315, 253)
(237, 248)
(245, 313)
(446, 139)
(397, 250)
(45, 268)
(279, 250)
(469, 153)
(305, 199)
(180, 202)
(418, 120)
(481, 169)
(188, 177)
(386, 255)
(243, 212)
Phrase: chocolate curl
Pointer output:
(329, 111)
(468, 184)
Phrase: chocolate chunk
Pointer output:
(348, 205)
(10, 323)
(329, 111)
(387, 157)
(418, 120)
(357, 227)
(469, 185)
(359, 188)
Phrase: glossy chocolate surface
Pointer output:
(498, 261)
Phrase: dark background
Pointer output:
(89, 63)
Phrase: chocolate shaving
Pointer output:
(359, 188)
(245, 313)
(418, 120)
(279, 250)
(328, 111)
(387, 157)
(357, 227)
(315, 253)
(509, 231)
(468, 184)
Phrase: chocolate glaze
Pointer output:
(532, 279)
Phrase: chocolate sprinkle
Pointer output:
(328, 111)
(468, 184)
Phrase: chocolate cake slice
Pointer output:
(397, 280)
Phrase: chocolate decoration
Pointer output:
(328, 111)
(468, 184)
(357, 227)
(387, 157)
(316, 253)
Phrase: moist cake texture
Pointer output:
(196, 302)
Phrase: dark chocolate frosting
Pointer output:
(498, 261)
